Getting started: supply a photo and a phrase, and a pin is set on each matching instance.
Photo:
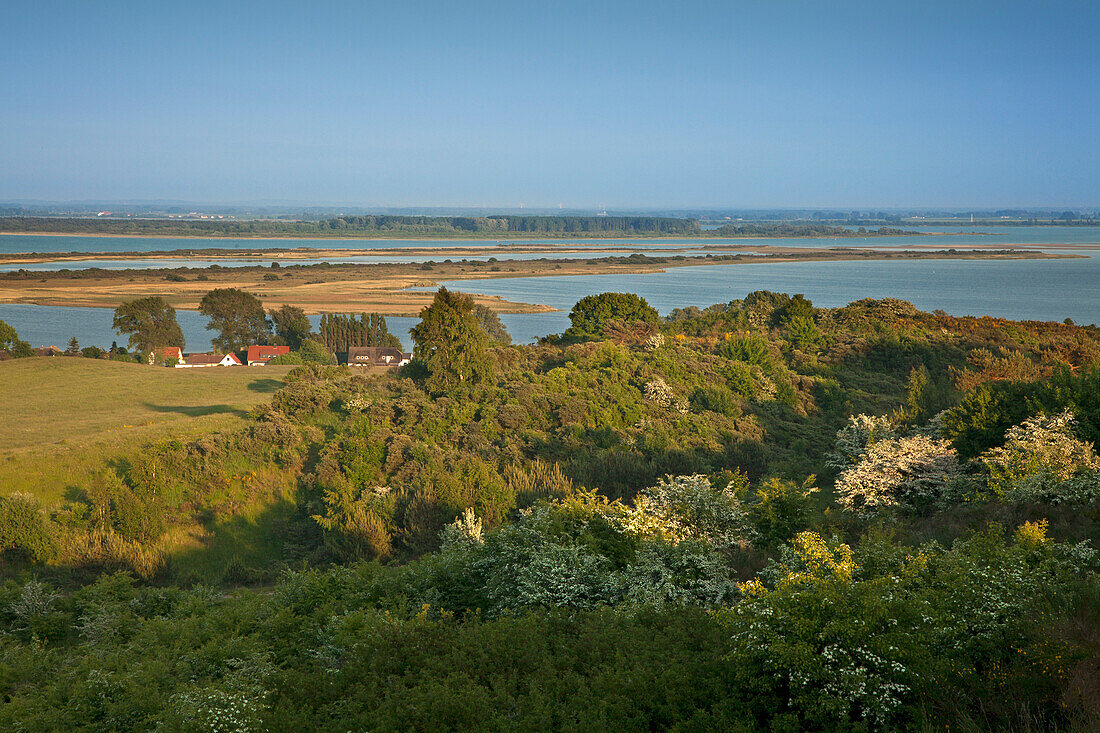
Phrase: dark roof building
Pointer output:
(377, 356)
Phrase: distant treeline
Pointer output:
(790, 229)
(431, 226)
(382, 225)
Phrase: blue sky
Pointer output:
(763, 103)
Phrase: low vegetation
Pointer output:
(759, 515)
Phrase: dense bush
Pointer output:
(622, 534)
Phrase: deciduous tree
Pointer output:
(591, 315)
(450, 345)
(237, 316)
(151, 323)
(291, 325)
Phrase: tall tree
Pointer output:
(340, 332)
(490, 323)
(74, 347)
(291, 325)
(450, 345)
(151, 323)
(237, 316)
(591, 315)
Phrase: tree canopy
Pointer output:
(593, 313)
(450, 344)
(291, 325)
(237, 316)
(340, 332)
(490, 323)
(151, 323)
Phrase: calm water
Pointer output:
(1046, 290)
(1020, 289)
(963, 238)
(1050, 290)
(959, 236)
(44, 325)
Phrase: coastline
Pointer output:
(384, 287)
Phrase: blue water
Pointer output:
(958, 236)
(963, 238)
(157, 263)
(46, 325)
(1049, 290)
(1046, 290)
(1020, 289)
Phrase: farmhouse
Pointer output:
(48, 351)
(170, 353)
(261, 355)
(209, 360)
(377, 356)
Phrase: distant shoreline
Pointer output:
(470, 249)
(510, 237)
(385, 287)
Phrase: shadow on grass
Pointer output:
(265, 386)
(238, 550)
(198, 410)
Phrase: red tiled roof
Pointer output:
(265, 353)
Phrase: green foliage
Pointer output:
(151, 323)
(1037, 461)
(8, 336)
(291, 324)
(314, 352)
(717, 398)
(781, 509)
(450, 531)
(340, 332)
(237, 316)
(748, 347)
(982, 417)
(798, 308)
(490, 323)
(10, 342)
(291, 358)
(803, 333)
(23, 528)
(450, 345)
(593, 314)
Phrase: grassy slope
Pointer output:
(64, 417)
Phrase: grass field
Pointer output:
(63, 418)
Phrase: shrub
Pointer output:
(23, 528)
(781, 509)
(909, 472)
(1039, 453)
(717, 398)
(687, 508)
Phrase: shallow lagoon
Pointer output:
(1050, 290)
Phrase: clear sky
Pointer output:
(761, 103)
